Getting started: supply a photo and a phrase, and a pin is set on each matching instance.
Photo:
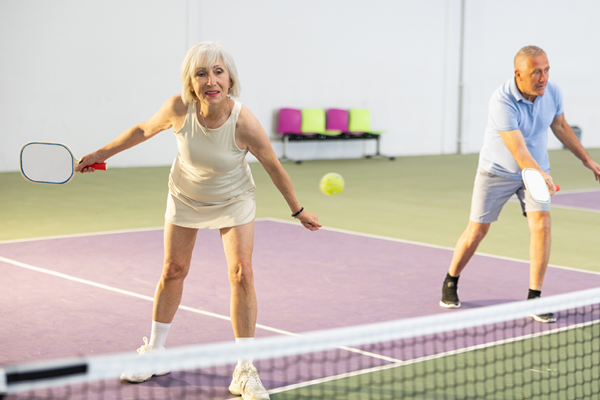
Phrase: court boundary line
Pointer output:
(278, 220)
(84, 234)
(77, 235)
(181, 307)
(430, 357)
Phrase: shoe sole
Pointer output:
(237, 391)
(233, 392)
(452, 305)
(542, 320)
(144, 380)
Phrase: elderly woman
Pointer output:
(210, 187)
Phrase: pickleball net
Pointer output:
(495, 352)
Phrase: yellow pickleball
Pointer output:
(332, 184)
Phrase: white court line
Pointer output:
(182, 307)
(76, 235)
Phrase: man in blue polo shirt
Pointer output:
(516, 137)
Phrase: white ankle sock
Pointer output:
(158, 335)
(240, 341)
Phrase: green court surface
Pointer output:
(425, 198)
(499, 372)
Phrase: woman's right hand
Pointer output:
(87, 160)
(310, 221)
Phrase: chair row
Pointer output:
(331, 122)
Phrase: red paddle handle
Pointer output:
(98, 166)
(102, 167)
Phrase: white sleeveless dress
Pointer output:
(210, 185)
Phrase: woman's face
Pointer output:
(211, 85)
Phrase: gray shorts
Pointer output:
(491, 192)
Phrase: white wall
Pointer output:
(391, 57)
(81, 72)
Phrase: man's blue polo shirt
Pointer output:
(508, 110)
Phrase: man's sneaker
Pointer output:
(545, 318)
(247, 383)
(450, 295)
(138, 377)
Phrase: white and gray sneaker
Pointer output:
(544, 318)
(138, 377)
(247, 383)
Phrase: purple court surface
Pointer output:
(588, 200)
(305, 281)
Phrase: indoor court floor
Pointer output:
(79, 263)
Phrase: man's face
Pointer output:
(533, 75)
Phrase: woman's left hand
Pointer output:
(310, 221)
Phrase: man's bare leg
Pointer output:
(463, 251)
(539, 254)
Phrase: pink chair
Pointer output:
(290, 121)
(337, 120)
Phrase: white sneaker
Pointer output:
(138, 377)
(247, 383)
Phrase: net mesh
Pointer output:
(496, 352)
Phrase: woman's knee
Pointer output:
(174, 271)
(241, 274)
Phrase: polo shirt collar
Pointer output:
(514, 90)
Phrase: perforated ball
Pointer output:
(332, 184)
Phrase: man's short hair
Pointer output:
(525, 53)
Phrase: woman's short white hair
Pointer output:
(205, 55)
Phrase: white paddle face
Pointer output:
(536, 185)
(51, 163)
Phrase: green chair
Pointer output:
(314, 121)
(360, 122)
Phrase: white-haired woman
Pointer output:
(210, 187)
